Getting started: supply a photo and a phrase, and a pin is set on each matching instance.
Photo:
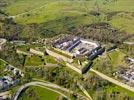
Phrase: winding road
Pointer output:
(34, 84)
(42, 84)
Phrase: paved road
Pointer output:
(113, 81)
(47, 84)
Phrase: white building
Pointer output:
(2, 42)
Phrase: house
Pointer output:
(131, 60)
(3, 84)
(2, 43)
(15, 71)
(127, 74)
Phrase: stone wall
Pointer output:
(36, 52)
(65, 52)
(23, 52)
(74, 68)
(56, 55)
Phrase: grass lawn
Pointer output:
(2, 65)
(110, 63)
(21, 6)
(28, 46)
(60, 15)
(114, 88)
(24, 48)
(38, 93)
(123, 22)
(50, 59)
(37, 61)
(45, 10)
(33, 61)
(114, 92)
(116, 58)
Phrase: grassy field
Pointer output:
(116, 58)
(44, 10)
(114, 88)
(110, 63)
(60, 14)
(49, 59)
(114, 92)
(38, 93)
(37, 61)
(124, 22)
(2, 65)
(33, 61)
(24, 48)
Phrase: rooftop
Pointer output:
(2, 41)
(76, 45)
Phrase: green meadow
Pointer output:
(38, 93)
(2, 66)
(116, 58)
(61, 15)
